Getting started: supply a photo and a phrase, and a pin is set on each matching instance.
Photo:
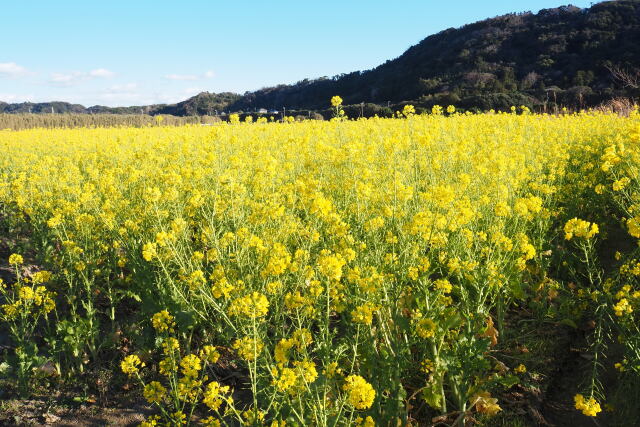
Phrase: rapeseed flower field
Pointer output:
(346, 272)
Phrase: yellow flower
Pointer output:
(154, 392)
(209, 354)
(408, 110)
(196, 279)
(168, 366)
(302, 338)
(189, 389)
(633, 225)
(131, 365)
(306, 371)
(152, 421)
(170, 345)
(520, 369)
(16, 259)
(620, 184)
(213, 395)
(331, 265)
(360, 394)
(162, 321)
(502, 209)
(54, 221)
(589, 407)
(427, 366)
(364, 314)
(332, 370)
(336, 101)
(191, 365)
(252, 306)
(426, 328)
(281, 352)
(365, 422)
(149, 251)
(279, 261)
(211, 422)
(248, 348)
(285, 380)
(580, 228)
(443, 285)
(179, 418)
(25, 293)
(622, 307)
(41, 277)
(11, 311)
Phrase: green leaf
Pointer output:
(509, 380)
(431, 395)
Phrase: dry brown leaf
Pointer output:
(491, 332)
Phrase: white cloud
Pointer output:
(13, 70)
(190, 77)
(67, 79)
(74, 77)
(11, 98)
(101, 73)
(120, 94)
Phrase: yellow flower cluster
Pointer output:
(28, 297)
(248, 348)
(363, 314)
(590, 407)
(214, 395)
(163, 321)
(360, 394)
(252, 306)
(579, 228)
(131, 365)
(16, 259)
(154, 392)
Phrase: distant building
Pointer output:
(262, 111)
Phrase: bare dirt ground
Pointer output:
(43, 412)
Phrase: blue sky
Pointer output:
(142, 51)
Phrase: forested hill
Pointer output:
(562, 56)
(204, 103)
